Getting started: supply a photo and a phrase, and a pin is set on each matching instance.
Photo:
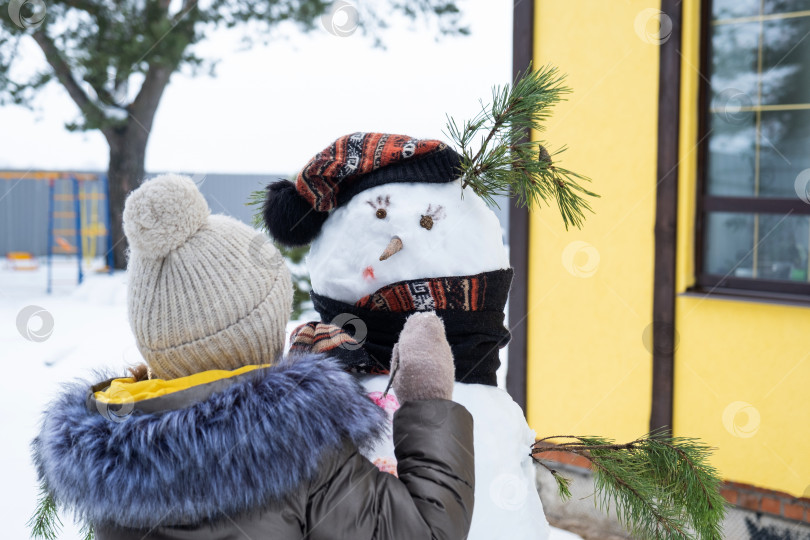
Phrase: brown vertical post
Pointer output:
(522, 45)
(666, 214)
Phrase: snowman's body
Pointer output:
(461, 238)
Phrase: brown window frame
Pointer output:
(724, 284)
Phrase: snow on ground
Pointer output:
(89, 331)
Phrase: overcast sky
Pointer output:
(271, 108)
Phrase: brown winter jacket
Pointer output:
(258, 453)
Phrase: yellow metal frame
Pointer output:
(45, 175)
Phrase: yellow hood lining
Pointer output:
(126, 390)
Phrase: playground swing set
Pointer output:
(78, 222)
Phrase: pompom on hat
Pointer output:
(204, 291)
(295, 212)
(163, 214)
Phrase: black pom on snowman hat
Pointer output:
(288, 217)
(293, 213)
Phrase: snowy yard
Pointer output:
(90, 331)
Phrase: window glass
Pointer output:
(765, 246)
(727, 9)
(757, 143)
(758, 132)
(735, 53)
(737, 9)
(731, 155)
(785, 57)
(784, 151)
(784, 6)
(729, 242)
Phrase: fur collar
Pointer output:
(235, 451)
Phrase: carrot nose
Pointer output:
(393, 246)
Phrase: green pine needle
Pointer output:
(661, 487)
(506, 161)
(257, 200)
(87, 532)
(563, 482)
(45, 523)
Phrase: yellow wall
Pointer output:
(742, 368)
(590, 291)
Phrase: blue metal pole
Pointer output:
(51, 194)
(108, 219)
(77, 205)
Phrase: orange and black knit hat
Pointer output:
(295, 212)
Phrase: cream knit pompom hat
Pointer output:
(205, 291)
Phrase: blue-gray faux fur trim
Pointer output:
(236, 451)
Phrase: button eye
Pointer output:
(381, 213)
(426, 222)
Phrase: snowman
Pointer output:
(392, 232)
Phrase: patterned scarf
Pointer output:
(470, 306)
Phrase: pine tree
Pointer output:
(115, 59)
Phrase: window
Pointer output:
(753, 228)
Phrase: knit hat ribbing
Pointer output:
(204, 291)
(352, 156)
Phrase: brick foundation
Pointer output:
(767, 501)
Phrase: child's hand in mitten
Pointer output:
(422, 362)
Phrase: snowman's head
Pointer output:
(382, 208)
(404, 231)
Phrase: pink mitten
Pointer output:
(422, 362)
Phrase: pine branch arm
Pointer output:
(556, 437)
(693, 466)
(495, 128)
(661, 486)
(662, 520)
